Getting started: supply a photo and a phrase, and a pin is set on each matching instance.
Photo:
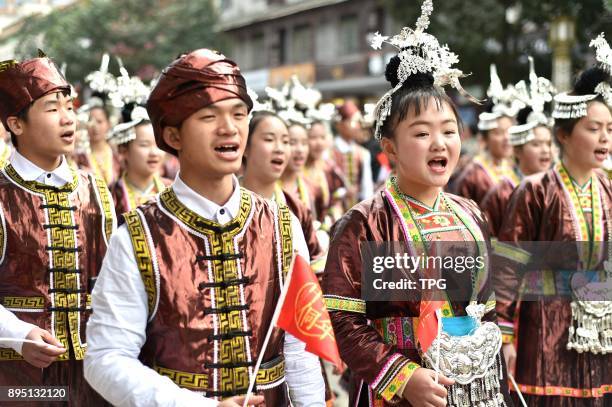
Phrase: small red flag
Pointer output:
(427, 329)
(305, 316)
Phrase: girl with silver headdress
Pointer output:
(321, 170)
(564, 343)
(99, 157)
(531, 139)
(493, 164)
(411, 347)
(141, 158)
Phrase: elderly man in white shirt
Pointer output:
(171, 331)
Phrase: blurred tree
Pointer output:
(146, 34)
(504, 32)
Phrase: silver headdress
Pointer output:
(131, 91)
(101, 80)
(419, 52)
(536, 95)
(126, 132)
(294, 103)
(505, 102)
(575, 106)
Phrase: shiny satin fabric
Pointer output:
(21, 83)
(190, 83)
(351, 172)
(25, 273)
(84, 161)
(334, 183)
(361, 346)
(304, 215)
(538, 211)
(178, 336)
(494, 205)
(473, 183)
(120, 199)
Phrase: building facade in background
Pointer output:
(324, 42)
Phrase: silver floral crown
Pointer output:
(126, 132)
(419, 52)
(101, 80)
(575, 106)
(294, 103)
(130, 89)
(535, 95)
(505, 102)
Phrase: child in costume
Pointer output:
(418, 126)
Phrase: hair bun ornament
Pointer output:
(419, 53)
(592, 83)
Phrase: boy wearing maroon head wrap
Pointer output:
(187, 292)
(54, 227)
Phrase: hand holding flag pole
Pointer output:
(301, 311)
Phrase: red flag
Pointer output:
(427, 329)
(304, 314)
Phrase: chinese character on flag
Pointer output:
(304, 314)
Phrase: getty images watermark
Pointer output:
(462, 271)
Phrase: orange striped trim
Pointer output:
(564, 391)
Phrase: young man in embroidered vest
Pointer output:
(187, 291)
(352, 159)
(54, 227)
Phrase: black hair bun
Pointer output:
(588, 80)
(414, 81)
(488, 106)
(100, 95)
(126, 112)
(523, 114)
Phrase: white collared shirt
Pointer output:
(10, 325)
(31, 172)
(116, 331)
(366, 186)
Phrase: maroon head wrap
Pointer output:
(21, 83)
(190, 83)
(347, 110)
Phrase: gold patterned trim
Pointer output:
(6, 65)
(2, 235)
(220, 241)
(338, 303)
(63, 253)
(284, 223)
(37, 187)
(172, 204)
(144, 259)
(105, 201)
(510, 252)
(30, 303)
(269, 375)
(9, 354)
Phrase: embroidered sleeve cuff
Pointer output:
(507, 330)
(339, 303)
(393, 377)
(510, 252)
(318, 265)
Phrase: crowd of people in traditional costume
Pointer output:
(147, 232)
